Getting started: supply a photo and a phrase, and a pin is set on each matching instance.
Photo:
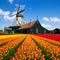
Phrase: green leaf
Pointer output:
(38, 58)
(58, 56)
(3, 44)
(44, 51)
(31, 59)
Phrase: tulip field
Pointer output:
(28, 47)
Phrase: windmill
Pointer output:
(19, 17)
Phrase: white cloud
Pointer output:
(49, 27)
(55, 19)
(11, 1)
(9, 18)
(51, 19)
(6, 15)
(45, 18)
(4, 12)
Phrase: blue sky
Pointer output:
(48, 12)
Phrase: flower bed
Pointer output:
(29, 47)
(6, 48)
(49, 36)
(50, 51)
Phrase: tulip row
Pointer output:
(55, 37)
(8, 38)
(35, 49)
(5, 41)
(56, 43)
(12, 51)
(46, 55)
(27, 51)
(30, 48)
(4, 50)
(48, 47)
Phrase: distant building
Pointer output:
(11, 29)
(56, 31)
(33, 27)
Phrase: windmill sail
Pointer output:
(19, 17)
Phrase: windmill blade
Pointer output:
(18, 8)
(20, 11)
(14, 14)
